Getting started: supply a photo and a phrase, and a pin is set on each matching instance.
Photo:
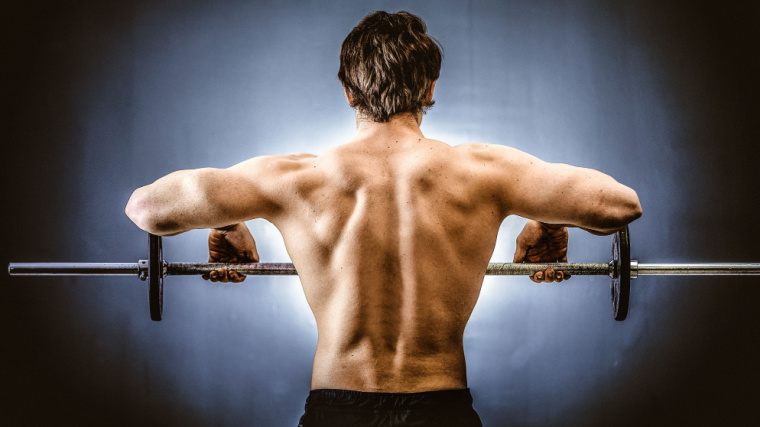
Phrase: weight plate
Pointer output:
(155, 277)
(620, 287)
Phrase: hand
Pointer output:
(539, 242)
(230, 244)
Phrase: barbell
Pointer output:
(621, 269)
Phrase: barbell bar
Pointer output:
(621, 269)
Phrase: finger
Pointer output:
(538, 277)
(218, 256)
(205, 277)
(236, 277)
(213, 275)
(549, 275)
(223, 276)
(559, 276)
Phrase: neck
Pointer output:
(398, 123)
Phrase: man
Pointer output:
(391, 232)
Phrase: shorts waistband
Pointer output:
(376, 401)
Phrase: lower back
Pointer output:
(365, 368)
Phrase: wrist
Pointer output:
(551, 227)
(226, 227)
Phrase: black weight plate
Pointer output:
(620, 287)
(155, 277)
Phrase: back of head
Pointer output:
(388, 63)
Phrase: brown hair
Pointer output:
(388, 63)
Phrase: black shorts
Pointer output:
(336, 408)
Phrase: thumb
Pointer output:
(254, 255)
(520, 252)
(249, 255)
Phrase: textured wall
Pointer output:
(102, 97)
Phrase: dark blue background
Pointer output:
(103, 97)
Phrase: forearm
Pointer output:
(600, 226)
(601, 232)
(554, 227)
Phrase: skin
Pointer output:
(391, 234)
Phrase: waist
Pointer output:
(441, 408)
(375, 401)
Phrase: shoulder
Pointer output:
(495, 155)
(488, 151)
(501, 169)
(268, 183)
(269, 174)
(275, 163)
(274, 168)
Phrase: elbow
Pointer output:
(145, 213)
(138, 210)
(625, 211)
(616, 214)
(635, 212)
(631, 208)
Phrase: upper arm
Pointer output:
(208, 197)
(262, 187)
(556, 193)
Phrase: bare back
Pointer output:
(391, 235)
(391, 240)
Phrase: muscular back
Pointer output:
(391, 235)
(391, 239)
